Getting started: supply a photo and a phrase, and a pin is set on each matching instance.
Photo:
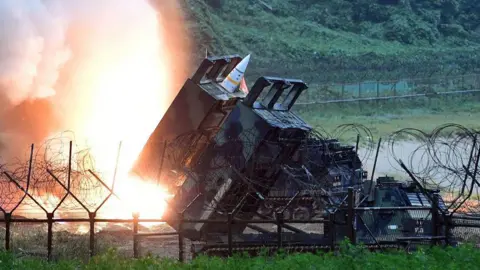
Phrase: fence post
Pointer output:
(435, 220)
(447, 221)
(91, 217)
(351, 215)
(331, 225)
(180, 236)
(279, 216)
(8, 217)
(136, 216)
(230, 244)
(49, 235)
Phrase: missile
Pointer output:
(232, 81)
(243, 86)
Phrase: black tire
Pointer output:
(302, 213)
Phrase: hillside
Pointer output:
(345, 40)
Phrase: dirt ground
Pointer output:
(72, 241)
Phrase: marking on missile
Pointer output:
(235, 83)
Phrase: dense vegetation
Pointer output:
(422, 22)
(465, 257)
(342, 39)
(322, 41)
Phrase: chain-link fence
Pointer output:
(391, 89)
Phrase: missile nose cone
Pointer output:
(242, 66)
(232, 81)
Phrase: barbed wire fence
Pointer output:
(445, 159)
(58, 170)
(58, 182)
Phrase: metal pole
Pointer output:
(376, 158)
(91, 217)
(49, 235)
(135, 232)
(69, 167)
(374, 167)
(331, 225)
(8, 217)
(180, 237)
(279, 229)
(435, 220)
(351, 215)
(29, 168)
(447, 220)
(230, 245)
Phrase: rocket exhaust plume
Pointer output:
(104, 70)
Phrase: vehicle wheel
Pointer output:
(302, 213)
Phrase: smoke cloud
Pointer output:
(32, 48)
(51, 51)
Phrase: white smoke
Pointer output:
(58, 59)
(33, 33)
(32, 47)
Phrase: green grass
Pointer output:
(464, 257)
(242, 21)
(385, 117)
(290, 42)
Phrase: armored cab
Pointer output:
(194, 116)
(389, 192)
(244, 159)
(389, 225)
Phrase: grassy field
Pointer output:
(319, 42)
(386, 117)
(464, 257)
(302, 45)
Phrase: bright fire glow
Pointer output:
(147, 199)
(125, 66)
(122, 86)
(127, 82)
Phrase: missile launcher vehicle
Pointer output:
(192, 119)
(225, 153)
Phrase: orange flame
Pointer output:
(123, 86)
